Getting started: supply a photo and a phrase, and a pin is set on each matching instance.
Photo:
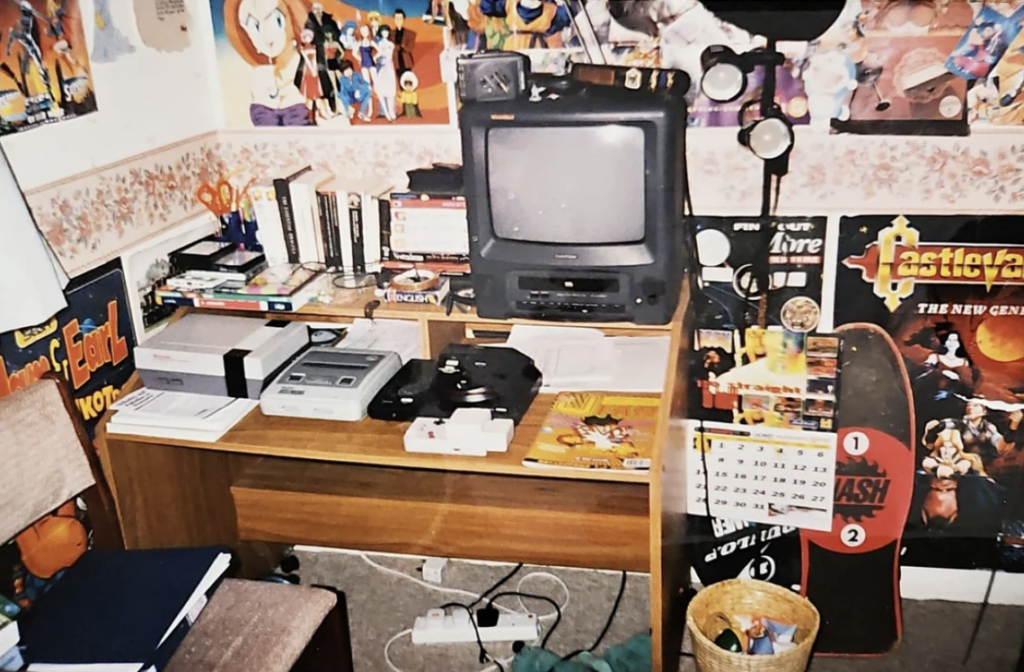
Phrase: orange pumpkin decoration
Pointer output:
(53, 543)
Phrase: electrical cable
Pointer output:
(544, 575)
(387, 657)
(545, 598)
(604, 630)
(611, 616)
(429, 586)
(501, 582)
(981, 617)
(497, 663)
(484, 655)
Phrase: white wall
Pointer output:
(146, 99)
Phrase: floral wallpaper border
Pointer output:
(94, 217)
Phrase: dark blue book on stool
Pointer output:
(125, 610)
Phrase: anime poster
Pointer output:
(641, 33)
(885, 66)
(45, 75)
(950, 292)
(736, 333)
(329, 63)
(90, 344)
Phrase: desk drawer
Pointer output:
(479, 516)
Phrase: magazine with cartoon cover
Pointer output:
(950, 292)
(727, 336)
(595, 430)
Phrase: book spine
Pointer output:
(355, 222)
(323, 210)
(230, 304)
(385, 230)
(176, 301)
(335, 260)
(371, 234)
(282, 189)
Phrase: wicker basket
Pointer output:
(740, 597)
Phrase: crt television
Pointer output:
(575, 206)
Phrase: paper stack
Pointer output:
(575, 359)
(10, 656)
(177, 415)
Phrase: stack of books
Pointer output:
(10, 654)
(121, 611)
(177, 415)
(284, 288)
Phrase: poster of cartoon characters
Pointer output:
(950, 292)
(90, 344)
(732, 339)
(45, 75)
(330, 64)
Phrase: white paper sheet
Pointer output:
(171, 405)
(579, 359)
(399, 336)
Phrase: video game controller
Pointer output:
(470, 431)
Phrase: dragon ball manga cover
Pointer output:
(591, 430)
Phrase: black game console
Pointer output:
(503, 380)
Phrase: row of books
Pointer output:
(312, 216)
(283, 288)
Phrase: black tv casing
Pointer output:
(635, 282)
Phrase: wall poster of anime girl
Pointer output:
(329, 63)
(45, 75)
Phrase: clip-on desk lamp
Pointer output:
(769, 135)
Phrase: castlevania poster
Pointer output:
(950, 292)
(45, 75)
(89, 343)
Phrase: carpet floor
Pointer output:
(384, 603)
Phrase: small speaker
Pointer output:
(492, 76)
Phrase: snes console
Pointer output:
(329, 383)
(469, 431)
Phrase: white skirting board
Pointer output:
(916, 583)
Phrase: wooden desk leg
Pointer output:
(174, 497)
(330, 650)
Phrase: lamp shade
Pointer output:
(780, 20)
(31, 281)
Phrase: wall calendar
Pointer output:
(761, 474)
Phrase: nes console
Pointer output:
(330, 384)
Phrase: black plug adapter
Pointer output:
(486, 617)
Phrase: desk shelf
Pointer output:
(379, 443)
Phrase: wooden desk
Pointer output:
(352, 485)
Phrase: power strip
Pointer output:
(438, 627)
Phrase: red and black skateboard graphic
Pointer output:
(851, 574)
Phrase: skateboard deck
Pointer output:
(852, 574)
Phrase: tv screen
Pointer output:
(581, 185)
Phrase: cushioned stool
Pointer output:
(255, 625)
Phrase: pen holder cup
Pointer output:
(715, 608)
